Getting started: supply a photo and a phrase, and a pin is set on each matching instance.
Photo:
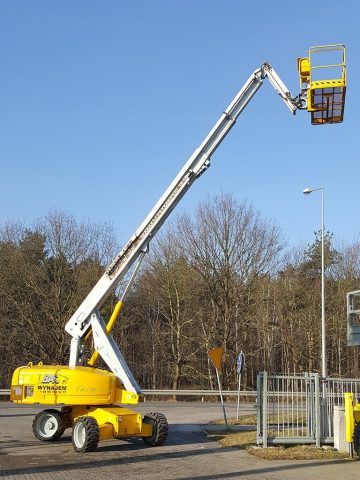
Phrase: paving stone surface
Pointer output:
(186, 455)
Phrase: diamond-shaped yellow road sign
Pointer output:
(215, 356)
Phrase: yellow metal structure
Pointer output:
(90, 399)
(113, 421)
(59, 384)
(349, 417)
(352, 421)
(324, 83)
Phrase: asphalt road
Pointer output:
(187, 454)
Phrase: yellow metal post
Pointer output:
(109, 328)
(349, 417)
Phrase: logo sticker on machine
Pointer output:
(52, 383)
(50, 379)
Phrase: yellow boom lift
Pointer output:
(91, 398)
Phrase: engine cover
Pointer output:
(59, 384)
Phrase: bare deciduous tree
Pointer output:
(45, 272)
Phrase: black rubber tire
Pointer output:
(356, 439)
(85, 435)
(48, 425)
(160, 429)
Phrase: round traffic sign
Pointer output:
(240, 363)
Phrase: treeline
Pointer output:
(219, 278)
(45, 272)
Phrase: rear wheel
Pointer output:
(48, 425)
(85, 436)
(160, 428)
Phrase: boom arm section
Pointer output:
(80, 322)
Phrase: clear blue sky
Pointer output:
(101, 103)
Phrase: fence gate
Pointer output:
(294, 409)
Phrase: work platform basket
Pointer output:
(323, 77)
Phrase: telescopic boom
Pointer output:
(87, 314)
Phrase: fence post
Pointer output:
(264, 411)
(328, 409)
(317, 410)
(309, 404)
(258, 407)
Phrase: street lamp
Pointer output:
(307, 191)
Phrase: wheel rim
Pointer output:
(79, 435)
(47, 425)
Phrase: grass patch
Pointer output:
(247, 441)
(297, 452)
(243, 440)
(283, 419)
(243, 420)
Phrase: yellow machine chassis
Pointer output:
(63, 385)
(113, 421)
(89, 398)
(85, 391)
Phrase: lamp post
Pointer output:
(307, 191)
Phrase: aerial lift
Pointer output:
(90, 396)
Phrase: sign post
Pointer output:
(215, 356)
(240, 363)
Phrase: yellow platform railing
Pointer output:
(325, 83)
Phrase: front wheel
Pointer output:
(48, 425)
(85, 435)
(160, 429)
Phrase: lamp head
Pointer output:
(308, 190)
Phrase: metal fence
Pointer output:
(246, 395)
(299, 408)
